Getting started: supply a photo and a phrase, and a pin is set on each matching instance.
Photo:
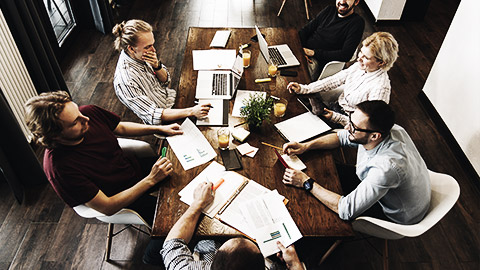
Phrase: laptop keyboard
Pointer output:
(219, 84)
(276, 57)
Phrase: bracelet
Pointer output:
(159, 66)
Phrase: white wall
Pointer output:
(453, 85)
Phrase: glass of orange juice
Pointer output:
(272, 69)
(223, 138)
(279, 107)
(246, 54)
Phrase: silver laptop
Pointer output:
(279, 54)
(219, 84)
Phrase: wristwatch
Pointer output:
(159, 66)
(308, 185)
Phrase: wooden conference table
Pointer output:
(312, 217)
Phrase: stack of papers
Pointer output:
(246, 206)
(220, 39)
(247, 149)
(270, 222)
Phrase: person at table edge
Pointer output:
(389, 167)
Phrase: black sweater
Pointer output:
(331, 37)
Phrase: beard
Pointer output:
(353, 139)
(345, 11)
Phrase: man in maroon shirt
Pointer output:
(83, 160)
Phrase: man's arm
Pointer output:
(185, 226)
(111, 205)
(198, 111)
(329, 141)
(296, 178)
(136, 129)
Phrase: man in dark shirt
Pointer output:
(332, 36)
(83, 160)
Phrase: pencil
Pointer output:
(276, 147)
(239, 124)
(218, 184)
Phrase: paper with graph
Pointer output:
(270, 221)
(191, 147)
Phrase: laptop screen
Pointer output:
(263, 45)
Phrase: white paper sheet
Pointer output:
(241, 96)
(216, 115)
(191, 147)
(294, 162)
(270, 221)
(220, 39)
(213, 59)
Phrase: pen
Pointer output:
(164, 151)
(210, 106)
(273, 146)
(218, 184)
(239, 124)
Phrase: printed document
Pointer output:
(191, 147)
(270, 221)
(213, 59)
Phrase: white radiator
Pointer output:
(15, 82)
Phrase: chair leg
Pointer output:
(280, 11)
(109, 242)
(306, 10)
(385, 255)
(329, 251)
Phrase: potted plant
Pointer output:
(256, 109)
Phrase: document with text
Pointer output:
(191, 147)
(270, 221)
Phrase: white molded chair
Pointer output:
(331, 68)
(124, 216)
(445, 192)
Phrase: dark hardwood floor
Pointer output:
(43, 233)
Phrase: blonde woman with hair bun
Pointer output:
(141, 80)
(367, 79)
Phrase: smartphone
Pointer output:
(231, 160)
(290, 73)
(255, 38)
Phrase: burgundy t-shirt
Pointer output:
(78, 172)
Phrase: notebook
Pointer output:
(302, 127)
(219, 84)
(279, 54)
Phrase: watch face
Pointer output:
(308, 185)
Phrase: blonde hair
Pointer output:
(384, 48)
(42, 115)
(127, 33)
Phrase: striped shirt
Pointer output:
(176, 256)
(358, 86)
(138, 88)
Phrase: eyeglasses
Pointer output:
(354, 128)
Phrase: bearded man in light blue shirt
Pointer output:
(389, 167)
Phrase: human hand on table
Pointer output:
(294, 177)
(293, 87)
(203, 195)
(308, 52)
(289, 256)
(201, 110)
(296, 148)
